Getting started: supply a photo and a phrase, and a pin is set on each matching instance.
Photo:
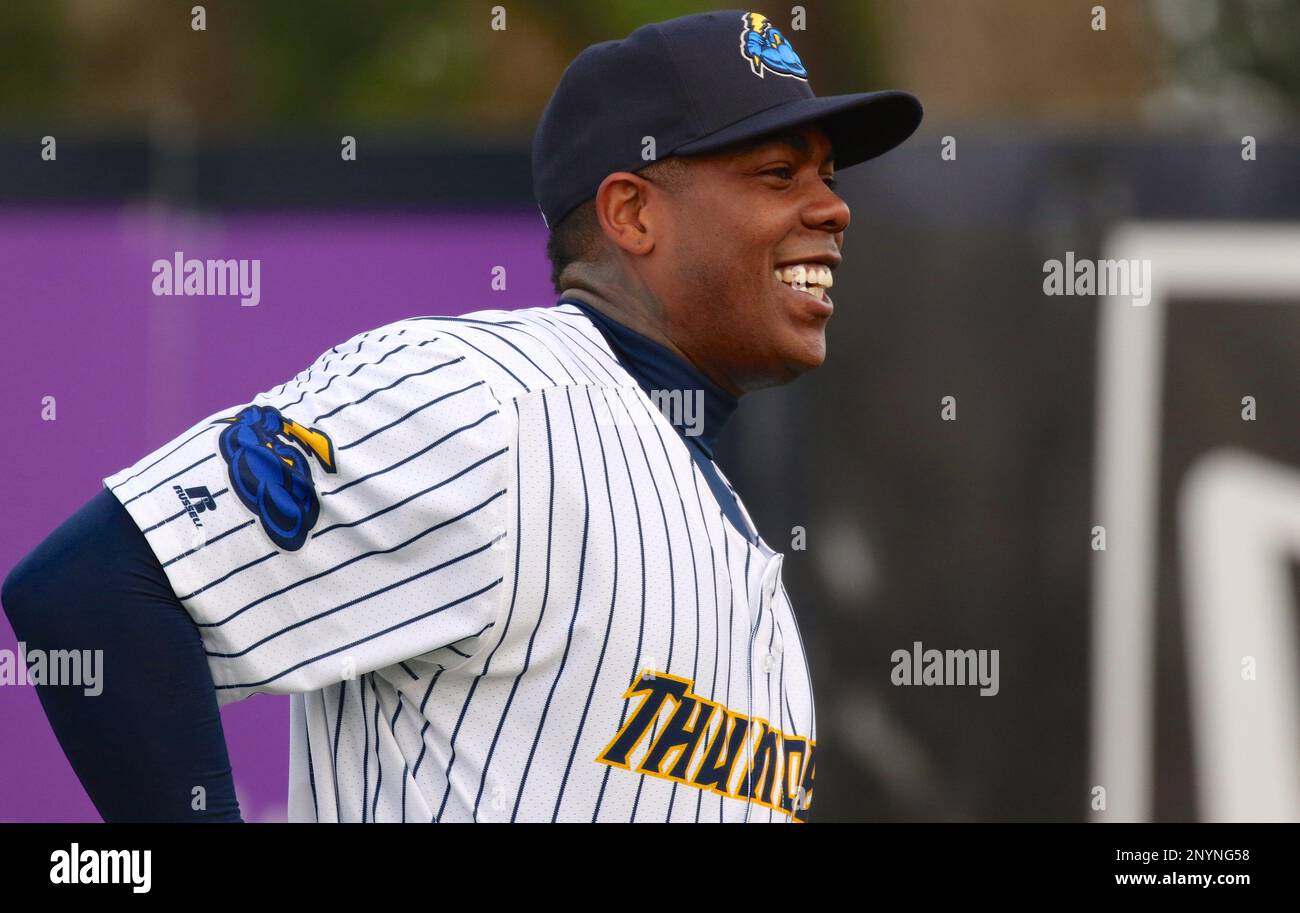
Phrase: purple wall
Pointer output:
(129, 371)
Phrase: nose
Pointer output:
(827, 211)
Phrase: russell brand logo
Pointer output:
(195, 501)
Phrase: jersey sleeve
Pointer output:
(348, 520)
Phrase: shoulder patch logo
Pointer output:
(768, 50)
(272, 476)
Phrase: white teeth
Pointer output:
(805, 276)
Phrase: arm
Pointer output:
(153, 734)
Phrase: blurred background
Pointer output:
(1171, 135)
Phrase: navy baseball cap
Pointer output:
(694, 84)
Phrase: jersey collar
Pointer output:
(657, 368)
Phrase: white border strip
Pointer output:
(1188, 260)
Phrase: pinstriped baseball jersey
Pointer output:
(490, 575)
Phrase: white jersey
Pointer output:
(494, 582)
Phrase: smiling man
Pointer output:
(499, 583)
(727, 263)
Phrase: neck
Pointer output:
(638, 309)
(697, 407)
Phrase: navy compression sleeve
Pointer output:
(142, 745)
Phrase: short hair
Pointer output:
(576, 239)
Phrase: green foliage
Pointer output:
(424, 65)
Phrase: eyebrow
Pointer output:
(794, 140)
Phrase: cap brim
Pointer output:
(860, 126)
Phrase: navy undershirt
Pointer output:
(150, 746)
(656, 367)
(154, 733)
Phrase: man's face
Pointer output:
(744, 214)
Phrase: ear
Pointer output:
(625, 213)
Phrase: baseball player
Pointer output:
(490, 556)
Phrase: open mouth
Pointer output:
(810, 278)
